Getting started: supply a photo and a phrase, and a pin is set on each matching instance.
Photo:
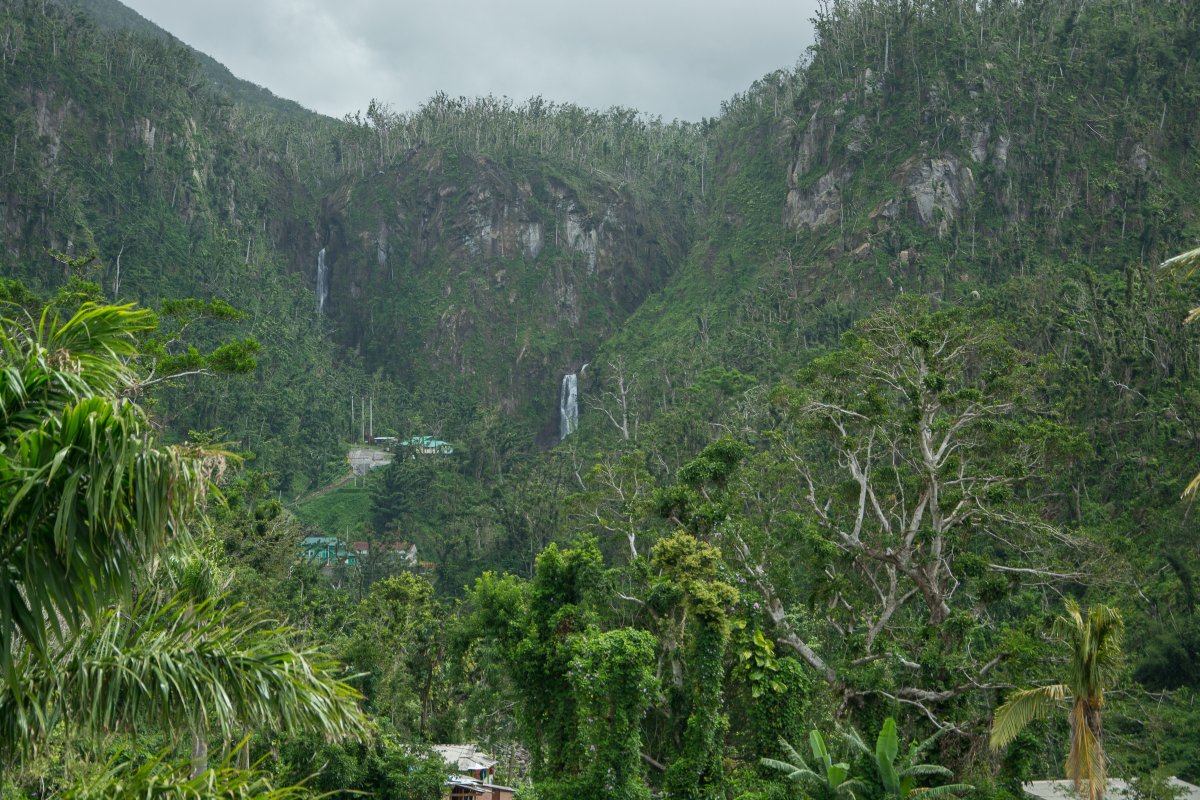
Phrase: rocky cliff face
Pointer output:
(459, 269)
(483, 278)
(930, 190)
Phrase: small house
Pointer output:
(325, 549)
(467, 759)
(473, 772)
(427, 446)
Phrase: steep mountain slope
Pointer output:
(942, 149)
(458, 269)
(117, 148)
(112, 15)
(468, 270)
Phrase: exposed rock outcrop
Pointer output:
(939, 189)
(820, 204)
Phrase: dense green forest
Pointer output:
(833, 447)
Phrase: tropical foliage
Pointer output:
(91, 499)
(832, 781)
(1095, 661)
(85, 500)
(899, 774)
(873, 370)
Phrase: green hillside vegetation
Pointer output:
(339, 511)
(111, 15)
(888, 407)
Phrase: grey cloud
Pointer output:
(665, 57)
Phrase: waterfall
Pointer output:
(568, 405)
(322, 282)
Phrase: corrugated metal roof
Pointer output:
(1117, 789)
(424, 441)
(464, 757)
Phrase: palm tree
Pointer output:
(898, 775)
(86, 495)
(1095, 642)
(833, 782)
(88, 498)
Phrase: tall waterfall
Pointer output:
(568, 405)
(322, 282)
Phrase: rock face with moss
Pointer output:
(462, 269)
(484, 272)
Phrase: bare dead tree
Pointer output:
(619, 403)
(908, 456)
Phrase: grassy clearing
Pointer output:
(344, 511)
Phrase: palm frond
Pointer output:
(84, 502)
(849, 787)
(926, 769)
(855, 739)
(187, 667)
(791, 771)
(1187, 263)
(924, 747)
(159, 779)
(1194, 484)
(792, 753)
(796, 768)
(1021, 708)
(86, 496)
(1070, 625)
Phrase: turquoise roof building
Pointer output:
(326, 549)
(428, 446)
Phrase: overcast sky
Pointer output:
(675, 58)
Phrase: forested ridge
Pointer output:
(886, 408)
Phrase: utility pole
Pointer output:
(364, 420)
(372, 417)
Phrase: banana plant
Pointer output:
(898, 776)
(833, 782)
